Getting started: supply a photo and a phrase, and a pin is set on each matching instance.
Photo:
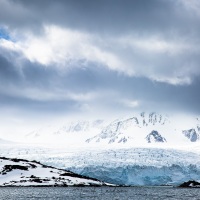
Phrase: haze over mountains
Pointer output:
(137, 130)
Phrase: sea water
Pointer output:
(97, 193)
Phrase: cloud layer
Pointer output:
(158, 39)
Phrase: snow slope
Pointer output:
(19, 172)
(67, 133)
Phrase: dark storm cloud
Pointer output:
(112, 87)
(16, 86)
(102, 17)
(30, 106)
(8, 71)
(161, 37)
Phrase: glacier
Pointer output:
(126, 166)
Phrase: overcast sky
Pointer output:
(98, 58)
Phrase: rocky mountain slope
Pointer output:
(149, 128)
(140, 129)
(20, 172)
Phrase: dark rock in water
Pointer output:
(190, 184)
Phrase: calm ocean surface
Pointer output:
(95, 193)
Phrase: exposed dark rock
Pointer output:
(191, 134)
(71, 174)
(32, 176)
(17, 160)
(154, 136)
(8, 168)
(37, 180)
(32, 165)
(190, 184)
(123, 140)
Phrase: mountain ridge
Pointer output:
(21, 172)
(143, 126)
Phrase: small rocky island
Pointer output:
(190, 184)
(20, 172)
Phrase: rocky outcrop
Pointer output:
(191, 184)
(20, 172)
(154, 136)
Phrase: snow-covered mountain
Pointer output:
(67, 133)
(138, 130)
(149, 128)
(20, 172)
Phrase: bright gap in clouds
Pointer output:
(159, 59)
(4, 34)
(63, 47)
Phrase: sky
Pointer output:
(84, 58)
